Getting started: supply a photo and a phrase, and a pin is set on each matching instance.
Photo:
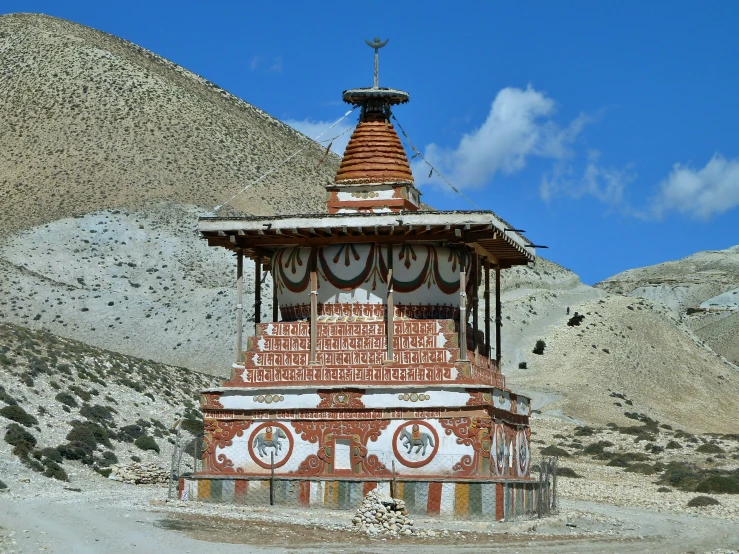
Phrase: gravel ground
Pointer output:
(111, 517)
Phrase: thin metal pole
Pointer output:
(272, 479)
(313, 307)
(390, 305)
(475, 299)
(487, 308)
(498, 317)
(462, 304)
(275, 302)
(395, 483)
(239, 303)
(257, 291)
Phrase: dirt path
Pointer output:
(127, 521)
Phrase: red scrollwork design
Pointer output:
(220, 434)
(474, 432)
(480, 397)
(323, 433)
(210, 401)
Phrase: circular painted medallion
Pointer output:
(499, 450)
(270, 438)
(415, 443)
(522, 453)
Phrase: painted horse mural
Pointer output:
(269, 439)
(415, 438)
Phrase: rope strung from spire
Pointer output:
(417, 154)
(290, 157)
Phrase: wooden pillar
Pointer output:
(257, 291)
(239, 303)
(390, 305)
(475, 299)
(462, 303)
(313, 307)
(275, 303)
(498, 317)
(487, 308)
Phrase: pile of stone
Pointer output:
(384, 515)
(139, 474)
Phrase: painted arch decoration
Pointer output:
(423, 275)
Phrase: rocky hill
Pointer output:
(91, 122)
(702, 289)
(68, 409)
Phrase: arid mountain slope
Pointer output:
(703, 290)
(636, 349)
(137, 282)
(680, 284)
(89, 121)
(84, 407)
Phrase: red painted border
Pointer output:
(399, 456)
(290, 441)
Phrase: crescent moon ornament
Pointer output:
(377, 44)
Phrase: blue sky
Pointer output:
(606, 130)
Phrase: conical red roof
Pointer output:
(374, 155)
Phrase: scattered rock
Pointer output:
(139, 474)
(383, 515)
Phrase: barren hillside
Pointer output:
(89, 121)
(68, 409)
(703, 290)
(629, 355)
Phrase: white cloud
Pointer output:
(312, 129)
(518, 126)
(702, 193)
(607, 184)
(276, 66)
(254, 62)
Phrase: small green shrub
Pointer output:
(708, 448)
(617, 460)
(66, 399)
(555, 451)
(89, 433)
(194, 426)
(568, 472)
(522, 365)
(597, 447)
(98, 413)
(51, 454)
(722, 484)
(82, 393)
(584, 431)
(664, 489)
(17, 413)
(55, 471)
(104, 471)
(644, 469)
(681, 475)
(22, 441)
(3, 486)
(539, 347)
(701, 501)
(145, 442)
(672, 445)
(130, 433)
(5, 397)
(108, 458)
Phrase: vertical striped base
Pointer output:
(456, 500)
